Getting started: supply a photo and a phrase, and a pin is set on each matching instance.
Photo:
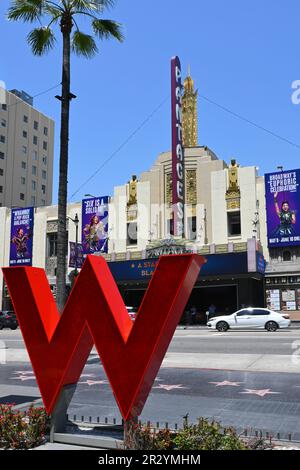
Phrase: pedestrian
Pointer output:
(187, 318)
(193, 315)
(212, 309)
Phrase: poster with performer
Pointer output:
(282, 205)
(21, 236)
(95, 225)
(76, 255)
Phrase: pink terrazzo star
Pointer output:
(260, 393)
(226, 383)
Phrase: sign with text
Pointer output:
(21, 236)
(282, 204)
(177, 150)
(95, 225)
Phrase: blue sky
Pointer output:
(243, 55)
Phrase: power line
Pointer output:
(143, 123)
(248, 121)
(34, 96)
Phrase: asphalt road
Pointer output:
(245, 379)
(200, 340)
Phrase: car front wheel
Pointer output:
(222, 326)
(271, 326)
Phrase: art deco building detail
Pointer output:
(233, 194)
(191, 187)
(190, 114)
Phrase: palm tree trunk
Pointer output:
(62, 238)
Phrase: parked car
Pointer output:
(250, 318)
(8, 319)
(131, 312)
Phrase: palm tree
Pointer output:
(64, 14)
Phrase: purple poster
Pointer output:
(95, 225)
(21, 235)
(76, 255)
(177, 150)
(283, 203)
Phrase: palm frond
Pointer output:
(52, 10)
(26, 10)
(95, 6)
(41, 40)
(83, 44)
(106, 29)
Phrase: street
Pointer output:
(247, 379)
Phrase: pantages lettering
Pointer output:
(177, 150)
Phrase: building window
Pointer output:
(45, 160)
(3, 122)
(234, 223)
(2, 139)
(43, 189)
(51, 244)
(24, 149)
(35, 125)
(22, 196)
(24, 165)
(287, 256)
(46, 131)
(44, 174)
(1, 189)
(34, 170)
(35, 140)
(33, 185)
(45, 145)
(33, 200)
(131, 233)
(43, 202)
(25, 118)
(23, 180)
(1, 172)
(4, 107)
(2, 155)
(192, 228)
(34, 155)
(25, 134)
(170, 227)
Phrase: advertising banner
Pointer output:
(177, 150)
(95, 225)
(282, 204)
(21, 237)
(76, 255)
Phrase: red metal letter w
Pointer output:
(95, 314)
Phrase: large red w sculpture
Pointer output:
(95, 314)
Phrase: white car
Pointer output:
(250, 318)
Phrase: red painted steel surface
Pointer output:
(131, 353)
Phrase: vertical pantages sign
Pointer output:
(95, 225)
(282, 205)
(21, 237)
(177, 150)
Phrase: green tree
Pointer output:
(64, 14)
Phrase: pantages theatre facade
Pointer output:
(224, 219)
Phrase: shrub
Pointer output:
(204, 435)
(22, 429)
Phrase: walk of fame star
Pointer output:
(260, 393)
(226, 383)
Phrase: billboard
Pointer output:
(282, 204)
(95, 225)
(76, 255)
(177, 150)
(21, 236)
